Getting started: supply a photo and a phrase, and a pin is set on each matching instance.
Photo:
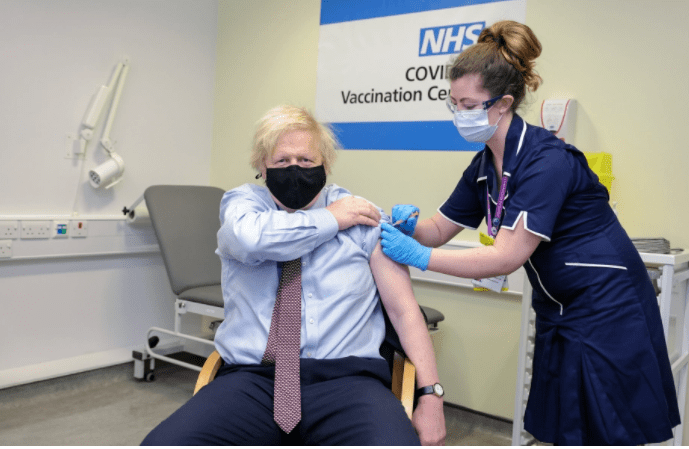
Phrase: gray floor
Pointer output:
(108, 407)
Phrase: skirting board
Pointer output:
(64, 367)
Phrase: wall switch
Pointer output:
(5, 249)
(78, 228)
(35, 229)
(60, 229)
(9, 229)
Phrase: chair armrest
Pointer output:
(209, 370)
(432, 316)
(403, 382)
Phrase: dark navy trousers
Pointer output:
(344, 402)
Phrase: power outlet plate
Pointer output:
(5, 249)
(60, 229)
(9, 229)
(78, 228)
(35, 230)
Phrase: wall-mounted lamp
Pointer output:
(110, 172)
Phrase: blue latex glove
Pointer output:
(404, 249)
(403, 212)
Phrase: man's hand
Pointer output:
(351, 211)
(429, 421)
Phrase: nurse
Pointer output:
(601, 373)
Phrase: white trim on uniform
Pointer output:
(525, 214)
(521, 139)
(541, 284)
(455, 222)
(577, 264)
(511, 228)
(526, 226)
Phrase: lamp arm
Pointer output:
(97, 105)
(105, 141)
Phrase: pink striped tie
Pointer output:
(284, 340)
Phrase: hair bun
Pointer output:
(518, 45)
(499, 40)
(504, 57)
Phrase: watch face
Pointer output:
(438, 390)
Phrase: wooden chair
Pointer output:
(403, 370)
(403, 378)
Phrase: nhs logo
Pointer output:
(449, 39)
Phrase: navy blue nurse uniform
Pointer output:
(601, 372)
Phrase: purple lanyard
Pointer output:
(494, 222)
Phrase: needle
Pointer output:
(399, 222)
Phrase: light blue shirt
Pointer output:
(341, 313)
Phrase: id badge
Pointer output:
(496, 284)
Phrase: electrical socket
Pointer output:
(60, 229)
(5, 249)
(9, 229)
(35, 230)
(79, 228)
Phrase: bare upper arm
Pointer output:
(516, 244)
(438, 231)
(393, 283)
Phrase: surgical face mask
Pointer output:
(473, 124)
(294, 186)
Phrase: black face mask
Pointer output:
(295, 186)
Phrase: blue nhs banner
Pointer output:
(383, 68)
(444, 40)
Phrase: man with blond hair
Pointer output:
(344, 383)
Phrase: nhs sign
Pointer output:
(449, 39)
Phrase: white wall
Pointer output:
(53, 56)
(56, 54)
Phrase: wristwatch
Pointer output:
(435, 389)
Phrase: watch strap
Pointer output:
(428, 389)
(435, 389)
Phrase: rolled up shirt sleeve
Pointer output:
(253, 229)
(366, 237)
